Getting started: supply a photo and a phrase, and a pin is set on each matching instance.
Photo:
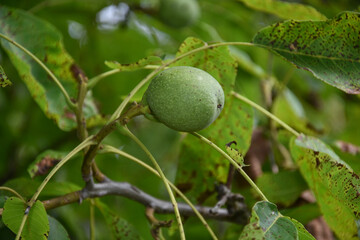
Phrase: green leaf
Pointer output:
(200, 166)
(216, 61)
(44, 162)
(335, 186)
(304, 213)
(329, 49)
(285, 10)
(119, 227)
(246, 63)
(4, 80)
(289, 109)
(267, 223)
(37, 224)
(303, 234)
(57, 230)
(45, 42)
(282, 188)
(27, 187)
(142, 63)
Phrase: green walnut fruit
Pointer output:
(179, 13)
(183, 98)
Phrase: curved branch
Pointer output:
(125, 189)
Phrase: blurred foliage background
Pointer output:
(98, 30)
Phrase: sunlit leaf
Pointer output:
(45, 42)
(152, 60)
(335, 186)
(37, 224)
(119, 227)
(200, 166)
(57, 230)
(285, 10)
(329, 49)
(283, 188)
(4, 80)
(267, 223)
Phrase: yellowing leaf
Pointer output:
(285, 10)
(335, 186)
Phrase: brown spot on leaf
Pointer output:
(69, 114)
(317, 162)
(44, 166)
(230, 143)
(204, 196)
(184, 187)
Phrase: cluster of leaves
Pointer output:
(327, 48)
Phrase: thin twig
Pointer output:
(87, 142)
(267, 113)
(23, 221)
(125, 189)
(88, 163)
(163, 178)
(233, 162)
(95, 80)
(80, 118)
(12, 191)
(160, 206)
(111, 149)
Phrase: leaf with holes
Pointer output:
(45, 42)
(4, 80)
(285, 10)
(335, 186)
(200, 166)
(37, 224)
(267, 223)
(329, 49)
(142, 63)
(120, 228)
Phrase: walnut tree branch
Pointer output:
(88, 166)
(125, 189)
